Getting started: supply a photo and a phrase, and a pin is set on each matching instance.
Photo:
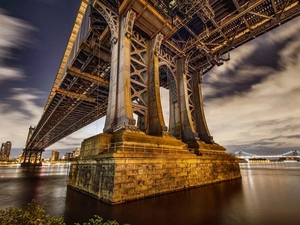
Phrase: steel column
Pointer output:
(193, 123)
(119, 110)
(174, 120)
(156, 124)
(188, 131)
(200, 121)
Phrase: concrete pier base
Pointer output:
(130, 170)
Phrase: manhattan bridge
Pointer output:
(120, 52)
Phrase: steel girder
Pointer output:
(204, 33)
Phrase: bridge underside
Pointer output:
(200, 32)
(119, 55)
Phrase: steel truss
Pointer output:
(200, 33)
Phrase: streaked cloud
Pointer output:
(21, 111)
(74, 140)
(253, 62)
(15, 121)
(14, 35)
(267, 115)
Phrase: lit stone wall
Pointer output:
(120, 177)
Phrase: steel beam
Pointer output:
(86, 76)
(75, 95)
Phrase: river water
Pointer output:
(268, 193)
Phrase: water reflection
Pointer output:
(204, 205)
(267, 194)
(270, 193)
(45, 184)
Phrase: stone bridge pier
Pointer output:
(137, 156)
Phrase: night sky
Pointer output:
(252, 102)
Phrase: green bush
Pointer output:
(97, 220)
(34, 214)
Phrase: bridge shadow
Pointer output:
(202, 205)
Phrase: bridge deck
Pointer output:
(80, 92)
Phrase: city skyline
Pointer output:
(250, 101)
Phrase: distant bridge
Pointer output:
(295, 154)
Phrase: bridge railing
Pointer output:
(215, 153)
(146, 148)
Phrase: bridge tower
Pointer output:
(137, 155)
(295, 152)
(31, 156)
(138, 63)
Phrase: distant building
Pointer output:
(68, 156)
(5, 150)
(54, 156)
(21, 157)
(76, 152)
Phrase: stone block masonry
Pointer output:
(117, 177)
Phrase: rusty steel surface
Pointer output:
(205, 31)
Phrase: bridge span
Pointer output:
(119, 54)
(190, 37)
(290, 155)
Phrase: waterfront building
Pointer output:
(68, 156)
(76, 152)
(5, 150)
(54, 156)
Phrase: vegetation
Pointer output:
(97, 220)
(34, 214)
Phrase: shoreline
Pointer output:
(18, 164)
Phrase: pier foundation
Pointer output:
(129, 170)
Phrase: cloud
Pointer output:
(14, 35)
(21, 111)
(20, 108)
(290, 54)
(15, 121)
(283, 32)
(267, 115)
(255, 61)
(74, 140)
